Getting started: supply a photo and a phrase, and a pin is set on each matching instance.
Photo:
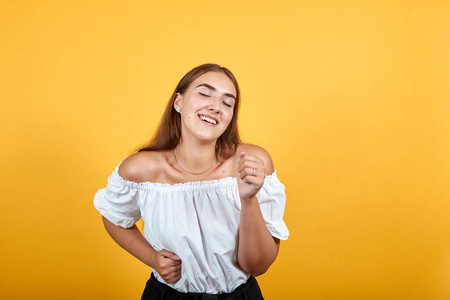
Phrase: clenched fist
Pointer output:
(251, 174)
(168, 266)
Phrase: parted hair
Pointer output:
(168, 133)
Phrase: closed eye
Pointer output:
(227, 104)
(204, 95)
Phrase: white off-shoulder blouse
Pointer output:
(197, 220)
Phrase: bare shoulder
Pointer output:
(259, 152)
(139, 166)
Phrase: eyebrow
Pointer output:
(214, 89)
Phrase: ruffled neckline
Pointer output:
(221, 182)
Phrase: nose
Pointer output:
(215, 105)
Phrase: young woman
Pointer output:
(212, 207)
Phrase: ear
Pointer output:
(177, 101)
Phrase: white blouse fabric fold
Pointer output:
(198, 221)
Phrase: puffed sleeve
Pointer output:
(118, 201)
(272, 200)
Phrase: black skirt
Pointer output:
(155, 290)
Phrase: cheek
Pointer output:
(228, 117)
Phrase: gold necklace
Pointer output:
(193, 173)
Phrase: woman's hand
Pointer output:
(251, 174)
(168, 266)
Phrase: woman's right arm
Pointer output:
(166, 263)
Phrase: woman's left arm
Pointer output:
(257, 249)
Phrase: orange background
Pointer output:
(351, 98)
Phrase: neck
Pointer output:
(195, 158)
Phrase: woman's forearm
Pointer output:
(257, 249)
(132, 240)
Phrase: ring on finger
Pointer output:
(254, 172)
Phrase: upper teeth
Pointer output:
(204, 118)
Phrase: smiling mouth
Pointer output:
(209, 120)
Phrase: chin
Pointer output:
(208, 140)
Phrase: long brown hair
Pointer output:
(169, 130)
